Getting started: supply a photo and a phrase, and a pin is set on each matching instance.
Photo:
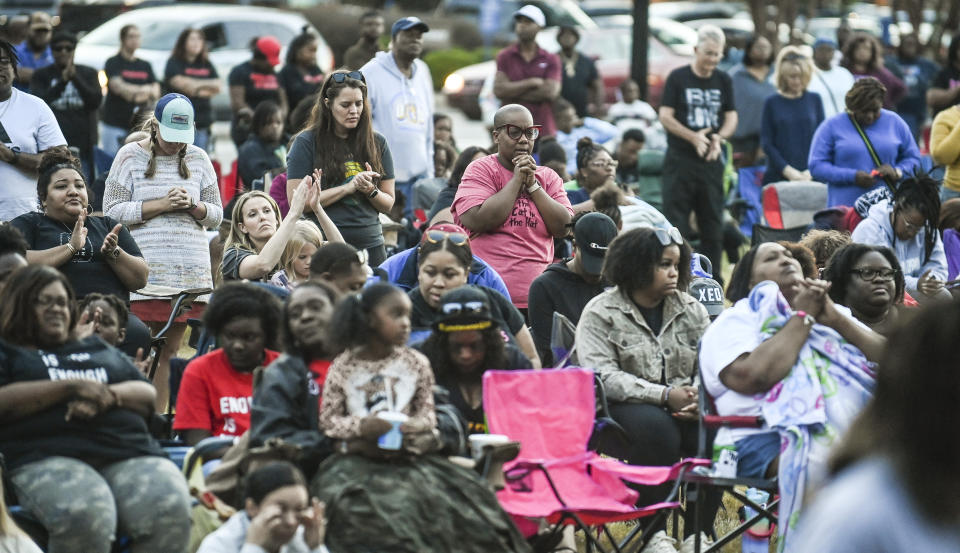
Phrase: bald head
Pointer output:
(508, 113)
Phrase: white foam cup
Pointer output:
(479, 441)
(393, 438)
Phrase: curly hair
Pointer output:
(808, 262)
(18, 313)
(12, 240)
(633, 256)
(843, 261)
(823, 244)
(864, 94)
(236, 300)
(607, 199)
(332, 152)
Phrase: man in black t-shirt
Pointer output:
(697, 112)
(73, 93)
(131, 85)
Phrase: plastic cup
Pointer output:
(393, 438)
(479, 441)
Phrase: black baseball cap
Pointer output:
(593, 233)
(465, 308)
(709, 293)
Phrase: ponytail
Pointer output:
(151, 126)
(350, 325)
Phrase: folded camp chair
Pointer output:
(551, 413)
(789, 204)
(763, 234)
(699, 479)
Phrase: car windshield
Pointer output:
(155, 35)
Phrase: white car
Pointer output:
(228, 28)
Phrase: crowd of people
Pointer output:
(371, 268)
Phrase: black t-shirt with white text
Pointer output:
(203, 114)
(257, 86)
(698, 103)
(88, 270)
(299, 85)
(118, 112)
(115, 435)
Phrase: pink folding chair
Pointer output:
(555, 477)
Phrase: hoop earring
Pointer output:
(89, 209)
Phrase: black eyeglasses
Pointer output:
(455, 238)
(515, 132)
(871, 274)
(341, 77)
(64, 48)
(669, 236)
(465, 307)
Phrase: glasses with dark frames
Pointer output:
(871, 274)
(515, 132)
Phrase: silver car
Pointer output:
(228, 28)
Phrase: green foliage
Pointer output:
(444, 62)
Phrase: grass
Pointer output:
(727, 519)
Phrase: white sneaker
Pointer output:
(688, 544)
(660, 543)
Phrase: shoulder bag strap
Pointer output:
(866, 141)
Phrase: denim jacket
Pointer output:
(634, 364)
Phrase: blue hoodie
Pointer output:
(877, 230)
(403, 113)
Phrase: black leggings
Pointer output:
(655, 438)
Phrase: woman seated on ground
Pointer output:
(378, 491)
(286, 403)
(278, 515)
(341, 267)
(908, 226)
(868, 280)
(73, 428)
(895, 474)
(257, 237)
(445, 260)
(466, 342)
(215, 393)
(641, 338)
(597, 168)
(305, 242)
(786, 329)
(95, 253)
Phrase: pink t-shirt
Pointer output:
(522, 247)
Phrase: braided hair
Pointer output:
(864, 93)
(152, 126)
(921, 192)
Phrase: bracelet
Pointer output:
(73, 251)
(665, 396)
(808, 319)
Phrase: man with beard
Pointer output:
(34, 53)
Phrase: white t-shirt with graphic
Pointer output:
(28, 126)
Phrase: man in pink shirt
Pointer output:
(512, 208)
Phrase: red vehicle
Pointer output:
(670, 46)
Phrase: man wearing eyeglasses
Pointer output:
(73, 93)
(698, 113)
(512, 207)
(34, 53)
(400, 90)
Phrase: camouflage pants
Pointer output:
(144, 498)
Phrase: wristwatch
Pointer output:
(115, 254)
(533, 188)
(373, 194)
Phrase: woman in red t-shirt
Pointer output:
(286, 403)
(216, 391)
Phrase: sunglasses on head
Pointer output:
(455, 238)
(669, 236)
(456, 308)
(515, 132)
(341, 77)
(794, 56)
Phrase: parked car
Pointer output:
(556, 12)
(228, 30)
(612, 50)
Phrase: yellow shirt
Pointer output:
(945, 145)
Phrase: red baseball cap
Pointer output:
(270, 47)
